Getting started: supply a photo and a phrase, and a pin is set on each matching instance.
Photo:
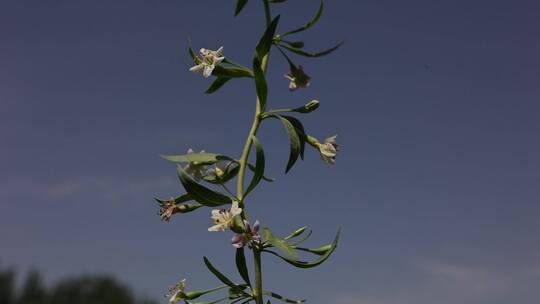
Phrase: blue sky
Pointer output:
(435, 105)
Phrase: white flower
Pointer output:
(195, 169)
(329, 150)
(176, 292)
(223, 219)
(298, 78)
(207, 61)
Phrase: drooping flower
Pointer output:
(298, 78)
(250, 234)
(176, 292)
(195, 169)
(329, 150)
(207, 61)
(223, 219)
(167, 209)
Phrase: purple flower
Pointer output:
(251, 234)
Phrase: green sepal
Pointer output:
(177, 200)
(259, 166)
(221, 276)
(242, 265)
(312, 54)
(281, 298)
(217, 84)
(310, 22)
(260, 83)
(192, 53)
(277, 242)
(263, 47)
(201, 158)
(310, 264)
(239, 6)
(200, 193)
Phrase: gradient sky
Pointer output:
(435, 103)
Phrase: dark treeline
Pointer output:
(80, 290)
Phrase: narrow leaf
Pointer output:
(295, 233)
(310, 22)
(294, 140)
(300, 131)
(202, 157)
(217, 84)
(278, 243)
(200, 193)
(177, 200)
(192, 53)
(311, 54)
(318, 251)
(263, 47)
(279, 297)
(232, 72)
(219, 275)
(259, 166)
(242, 266)
(311, 264)
(260, 83)
(267, 179)
(239, 6)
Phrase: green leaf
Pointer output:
(314, 263)
(294, 44)
(196, 294)
(200, 193)
(220, 276)
(259, 166)
(279, 297)
(299, 130)
(239, 6)
(294, 140)
(263, 47)
(192, 53)
(229, 173)
(232, 72)
(303, 239)
(295, 233)
(201, 158)
(310, 22)
(267, 179)
(242, 266)
(311, 54)
(318, 251)
(278, 243)
(260, 83)
(217, 84)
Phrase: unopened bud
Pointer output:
(308, 107)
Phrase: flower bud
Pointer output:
(308, 107)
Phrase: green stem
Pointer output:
(257, 291)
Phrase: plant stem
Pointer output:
(257, 292)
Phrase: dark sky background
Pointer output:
(435, 103)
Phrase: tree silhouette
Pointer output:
(33, 291)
